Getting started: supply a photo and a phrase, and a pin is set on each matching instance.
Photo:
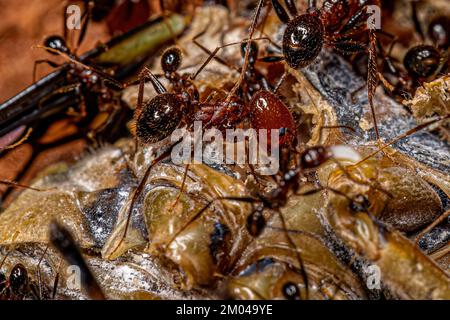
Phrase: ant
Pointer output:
(339, 24)
(288, 183)
(421, 62)
(159, 117)
(18, 285)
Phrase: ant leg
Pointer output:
(293, 246)
(280, 11)
(207, 51)
(39, 272)
(206, 207)
(138, 190)
(401, 137)
(186, 170)
(18, 185)
(280, 82)
(351, 129)
(416, 21)
(13, 136)
(217, 49)
(107, 77)
(38, 62)
(292, 8)
(86, 17)
(312, 5)
(438, 221)
(63, 241)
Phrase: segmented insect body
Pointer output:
(356, 219)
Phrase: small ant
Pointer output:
(421, 62)
(15, 286)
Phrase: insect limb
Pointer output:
(38, 62)
(217, 49)
(292, 8)
(18, 143)
(207, 51)
(436, 222)
(39, 276)
(372, 78)
(85, 18)
(63, 241)
(416, 21)
(206, 207)
(280, 11)
(247, 52)
(186, 170)
(103, 74)
(18, 185)
(293, 246)
(401, 137)
(138, 190)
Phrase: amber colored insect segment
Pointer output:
(269, 112)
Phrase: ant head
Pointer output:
(18, 277)
(253, 54)
(159, 117)
(56, 42)
(291, 291)
(171, 60)
(422, 61)
(360, 204)
(439, 31)
(256, 222)
(303, 40)
(314, 157)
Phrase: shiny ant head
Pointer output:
(439, 31)
(303, 40)
(171, 60)
(253, 54)
(57, 43)
(256, 222)
(360, 204)
(18, 278)
(291, 291)
(159, 117)
(422, 61)
(314, 157)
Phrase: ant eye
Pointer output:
(57, 43)
(291, 291)
(303, 40)
(171, 60)
(159, 118)
(422, 61)
(439, 31)
(360, 204)
(256, 222)
(18, 277)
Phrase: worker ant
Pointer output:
(422, 62)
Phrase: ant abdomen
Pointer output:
(303, 40)
(159, 117)
(267, 111)
(422, 61)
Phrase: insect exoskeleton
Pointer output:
(378, 191)
(269, 268)
(198, 242)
